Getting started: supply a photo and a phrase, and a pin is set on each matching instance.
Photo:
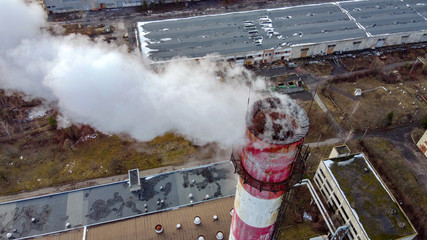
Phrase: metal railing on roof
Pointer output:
(298, 169)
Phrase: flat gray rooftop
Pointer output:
(377, 211)
(114, 201)
(225, 33)
(386, 17)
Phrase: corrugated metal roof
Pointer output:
(143, 227)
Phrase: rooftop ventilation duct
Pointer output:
(158, 228)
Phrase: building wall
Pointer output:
(347, 45)
(325, 48)
(61, 6)
(336, 201)
(422, 143)
(268, 55)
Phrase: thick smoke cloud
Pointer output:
(116, 92)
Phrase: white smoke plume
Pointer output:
(116, 92)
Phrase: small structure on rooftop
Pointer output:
(158, 228)
(219, 235)
(197, 220)
(359, 198)
(134, 180)
(339, 151)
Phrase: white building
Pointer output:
(61, 6)
(422, 143)
(359, 198)
(285, 33)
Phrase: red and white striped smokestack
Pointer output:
(275, 130)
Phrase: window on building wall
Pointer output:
(332, 204)
(341, 217)
(249, 57)
(265, 55)
(353, 229)
(323, 193)
(260, 55)
(331, 45)
(350, 235)
(343, 211)
(317, 181)
(356, 44)
(336, 199)
(405, 38)
(327, 191)
(321, 172)
(329, 185)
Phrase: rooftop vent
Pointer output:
(158, 228)
(215, 217)
(219, 235)
(402, 224)
(201, 237)
(197, 220)
(178, 226)
(232, 211)
(9, 235)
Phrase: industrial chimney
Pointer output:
(268, 165)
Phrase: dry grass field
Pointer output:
(404, 99)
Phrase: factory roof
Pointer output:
(327, 22)
(372, 202)
(111, 202)
(143, 227)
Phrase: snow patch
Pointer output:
(36, 113)
(344, 163)
(307, 217)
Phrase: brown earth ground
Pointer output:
(400, 91)
(34, 154)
